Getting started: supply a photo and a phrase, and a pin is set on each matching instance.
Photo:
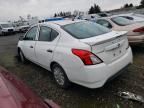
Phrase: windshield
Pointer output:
(85, 29)
(6, 25)
(122, 21)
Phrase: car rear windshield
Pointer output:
(122, 21)
(85, 29)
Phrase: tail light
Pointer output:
(87, 57)
(139, 29)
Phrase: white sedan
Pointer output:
(132, 16)
(135, 29)
(81, 52)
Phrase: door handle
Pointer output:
(49, 50)
(31, 46)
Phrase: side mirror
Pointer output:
(21, 38)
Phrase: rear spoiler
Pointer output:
(103, 38)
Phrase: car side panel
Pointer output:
(63, 56)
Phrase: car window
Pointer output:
(31, 34)
(104, 23)
(103, 15)
(121, 21)
(54, 34)
(85, 29)
(45, 34)
(128, 17)
(6, 25)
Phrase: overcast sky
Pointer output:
(12, 9)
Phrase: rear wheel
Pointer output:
(22, 57)
(60, 76)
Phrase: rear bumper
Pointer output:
(96, 76)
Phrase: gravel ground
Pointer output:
(41, 81)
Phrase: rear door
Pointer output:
(29, 43)
(45, 46)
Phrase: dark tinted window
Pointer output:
(45, 34)
(127, 17)
(85, 29)
(54, 34)
(31, 34)
(103, 15)
(6, 25)
(104, 23)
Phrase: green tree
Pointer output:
(97, 9)
(142, 3)
(131, 5)
(55, 15)
(61, 13)
(126, 5)
(94, 9)
(91, 10)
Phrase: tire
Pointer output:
(60, 77)
(3, 34)
(22, 57)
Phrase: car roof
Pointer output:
(126, 14)
(63, 22)
(104, 18)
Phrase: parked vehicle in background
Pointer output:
(6, 28)
(103, 14)
(15, 94)
(133, 17)
(88, 17)
(22, 28)
(92, 16)
(135, 29)
(82, 52)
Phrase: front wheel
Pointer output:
(60, 76)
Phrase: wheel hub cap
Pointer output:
(59, 76)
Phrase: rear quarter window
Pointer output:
(54, 34)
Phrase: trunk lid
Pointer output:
(108, 47)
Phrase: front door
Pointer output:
(29, 43)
